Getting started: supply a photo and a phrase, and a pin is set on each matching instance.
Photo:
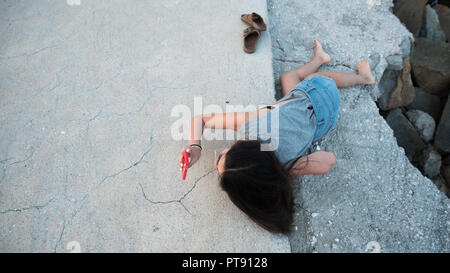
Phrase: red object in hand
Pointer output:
(185, 165)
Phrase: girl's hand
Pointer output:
(194, 155)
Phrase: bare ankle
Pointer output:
(366, 79)
(319, 60)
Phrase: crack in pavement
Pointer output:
(3, 175)
(149, 97)
(28, 53)
(38, 207)
(107, 80)
(60, 236)
(101, 112)
(289, 61)
(180, 200)
(279, 46)
(55, 83)
(141, 159)
(5, 160)
(69, 222)
(27, 158)
(153, 88)
(94, 118)
(83, 199)
(131, 166)
(5, 165)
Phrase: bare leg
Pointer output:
(343, 79)
(290, 79)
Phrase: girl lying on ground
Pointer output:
(258, 181)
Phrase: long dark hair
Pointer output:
(259, 185)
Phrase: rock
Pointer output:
(429, 161)
(445, 170)
(430, 63)
(431, 28)
(396, 86)
(442, 137)
(446, 161)
(395, 62)
(423, 122)
(426, 102)
(410, 13)
(444, 2)
(373, 192)
(405, 47)
(444, 18)
(407, 136)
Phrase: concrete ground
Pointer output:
(87, 156)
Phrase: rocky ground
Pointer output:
(374, 199)
(415, 99)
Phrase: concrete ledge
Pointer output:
(87, 158)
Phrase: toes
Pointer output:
(365, 62)
(317, 43)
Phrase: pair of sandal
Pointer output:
(252, 33)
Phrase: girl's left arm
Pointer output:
(317, 163)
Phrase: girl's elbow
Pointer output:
(332, 160)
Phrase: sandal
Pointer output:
(251, 38)
(255, 20)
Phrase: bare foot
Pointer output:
(364, 71)
(320, 53)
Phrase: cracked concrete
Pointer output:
(85, 110)
(141, 159)
(180, 200)
(27, 208)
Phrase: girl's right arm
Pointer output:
(232, 121)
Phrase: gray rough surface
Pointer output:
(373, 196)
(86, 154)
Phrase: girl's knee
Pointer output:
(312, 75)
(285, 79)
(283, 76)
